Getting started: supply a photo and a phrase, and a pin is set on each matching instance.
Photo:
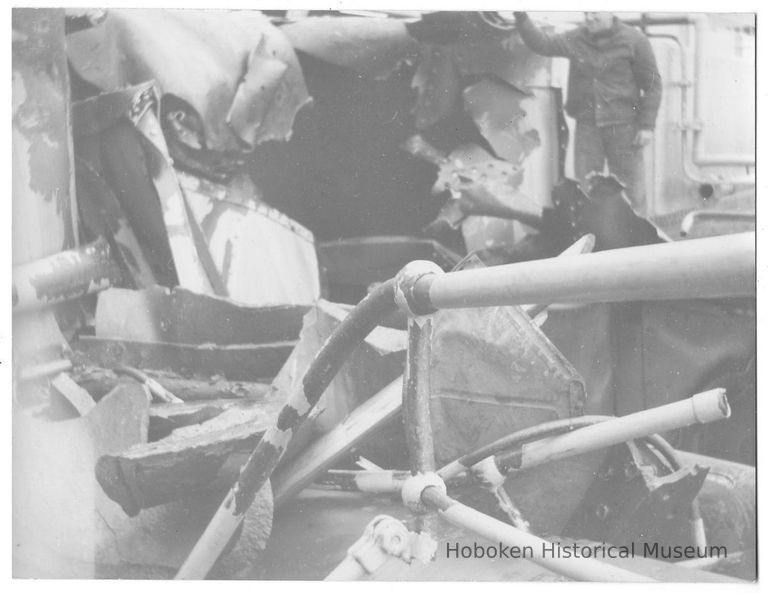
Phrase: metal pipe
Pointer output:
(580, 569)
(532, 433)
(714, 267)
(416, 386)
(64, 276)
(257, 470)
(702, 408)
(416, 390)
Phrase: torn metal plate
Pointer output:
(494, 372)
(182, 316)
(499, 113)
(198, 56)
(192, 459)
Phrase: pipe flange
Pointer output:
(406, 298)
(415, 485)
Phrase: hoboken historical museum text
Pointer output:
(457, 550)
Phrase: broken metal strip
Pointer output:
(238, 362)
(99, 381)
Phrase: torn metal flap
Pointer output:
(198, 56)
(498, 111)
(256, 95)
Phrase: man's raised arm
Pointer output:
(542, 43)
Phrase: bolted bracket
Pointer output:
(386, 537)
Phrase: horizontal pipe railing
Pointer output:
(703, 268)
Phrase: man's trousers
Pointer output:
(594, 146)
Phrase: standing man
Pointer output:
(614, 92)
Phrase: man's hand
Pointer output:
(643, 137)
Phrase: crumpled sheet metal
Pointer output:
(494, 372)
(374, 47)
(200, 56)
(498, 111)
(458, 45)
(262, 256)
(470, 164)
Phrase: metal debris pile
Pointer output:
(176, 333)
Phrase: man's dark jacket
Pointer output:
(613, 78)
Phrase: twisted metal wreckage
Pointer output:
(200, 360)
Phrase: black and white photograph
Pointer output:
(370, 294)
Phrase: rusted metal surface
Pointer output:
(164, 418)
(182, 316)
(237, 362)
(195, 458)
(64, 276)
(477, 355)
(99, 381)
(416, 397)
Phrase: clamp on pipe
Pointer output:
(415, 485)
(413, 300)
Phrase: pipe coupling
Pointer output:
(415, 485)
(413, 300)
